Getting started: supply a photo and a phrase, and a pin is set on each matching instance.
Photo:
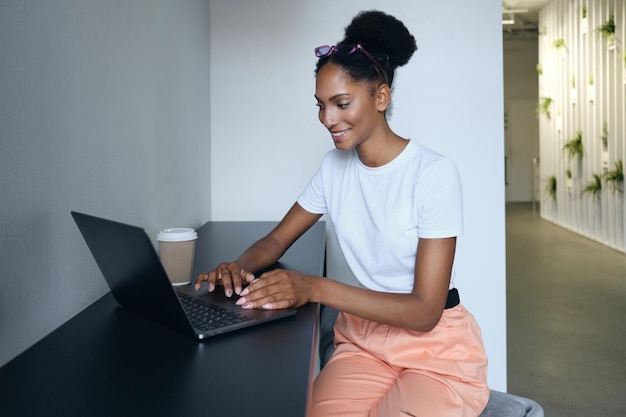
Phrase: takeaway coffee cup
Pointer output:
(176, 250)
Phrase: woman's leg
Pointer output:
(421, 395)
(378, 370)
(350, 385)
(444, 371)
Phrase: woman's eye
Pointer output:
(342, 105)
(319, 106)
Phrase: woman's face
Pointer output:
(346, 108)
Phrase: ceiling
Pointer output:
(526, 22)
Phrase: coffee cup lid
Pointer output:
(177, 234)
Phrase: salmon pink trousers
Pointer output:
(379, 370)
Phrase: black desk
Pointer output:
(108, 361)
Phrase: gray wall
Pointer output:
(266, 139)
(104, 108)
(522, 126)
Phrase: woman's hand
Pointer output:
(229, 274)
(278, 289)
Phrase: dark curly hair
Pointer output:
(386, 38)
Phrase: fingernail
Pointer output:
(267, 306)
(240, 301)
(238, 290)
(244, 292)
(197, 287)
(247, 305)
(229, 292)
(211, 287)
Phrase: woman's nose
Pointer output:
(327, 118)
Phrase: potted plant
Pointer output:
(574, 147)
(559, 43)
(605, 145)
(607, 30)
(615, 177)
(568, 180)
(544, 106)
(551, 187)
(594, 187)
(605, 137)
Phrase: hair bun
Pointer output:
(382, 33)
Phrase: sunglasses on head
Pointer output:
(348, 49)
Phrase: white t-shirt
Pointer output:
(380, 213)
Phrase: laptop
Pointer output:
(132, 269)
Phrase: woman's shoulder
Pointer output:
(425, 155)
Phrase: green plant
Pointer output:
(594, 187)
(605, 136)
(615, 177)
(539, 69)
(559, 43)
(591, 80)
(573, 81)
(574, 147)
(551, 187)
(607, 30)
(584, 12)
(543, 107)
(568, 173)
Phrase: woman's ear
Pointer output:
(383, 97)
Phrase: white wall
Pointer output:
(585, 108)
(267, 142)
(104, 108)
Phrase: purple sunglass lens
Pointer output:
(324, 50)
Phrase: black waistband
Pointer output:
(453, 298)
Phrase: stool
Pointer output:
(502, 404)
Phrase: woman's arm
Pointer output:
(419, 310)
(263, 253)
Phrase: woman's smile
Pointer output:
(339, 135)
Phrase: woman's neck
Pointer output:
(381, 148)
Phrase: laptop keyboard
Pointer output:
(205, 317)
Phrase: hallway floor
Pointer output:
(566, 308)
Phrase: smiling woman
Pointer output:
(405, 344)
(353, 88)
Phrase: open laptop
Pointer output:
(138, 281)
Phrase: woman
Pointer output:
(404, 344)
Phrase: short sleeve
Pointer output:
(440, 201)
(312, 198)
